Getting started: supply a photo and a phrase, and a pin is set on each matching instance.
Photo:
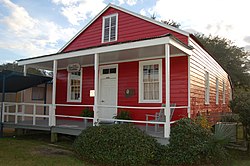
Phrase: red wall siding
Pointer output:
(61, 91)
(129, 28)
(200, 62)
(128, 79)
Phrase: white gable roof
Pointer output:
(131, 13)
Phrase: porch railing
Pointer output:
(21, 112)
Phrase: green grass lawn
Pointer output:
(238, 158)
(35, 150)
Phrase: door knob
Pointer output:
(102, 101)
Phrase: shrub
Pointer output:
(87, 113)
(121, 144)
(203, 122)
(123, 114)
(190, 143)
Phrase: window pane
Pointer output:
(112, 33)
(106, 34)
(113, 21)
(106, 24)
(145, 73)
(156, 72)
(105, 71)
(156, 90)
(38, 93)
(113, 70)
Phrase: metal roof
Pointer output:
(16, 81)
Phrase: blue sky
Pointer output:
(31, 28)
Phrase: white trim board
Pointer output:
(104, 49)
(69, 100)
(128, 12)
(141, 64)
(116, 27)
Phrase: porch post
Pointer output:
(2, 107)
(24, 70)
(167, 91)
(96, 66)
(53, 118)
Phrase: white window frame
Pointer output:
(223, 92)
(217, 91)
(116, 28)
(207, 87)
(69, 89)
(141, 91)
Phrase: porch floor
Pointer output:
(72, 127)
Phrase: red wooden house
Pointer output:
(122, 60)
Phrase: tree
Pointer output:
(171, 23)
(241, 105)
(231, 57)
(14, 67)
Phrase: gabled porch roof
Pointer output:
(130, 50)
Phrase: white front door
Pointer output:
(108, 91)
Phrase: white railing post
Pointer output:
(34, 114)
(50, 111)
(7, 111)
(3, 105)
(16, 112)
(23, 111)
(52, 119)
(167, 92)
(96, 80)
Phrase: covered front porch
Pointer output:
(60, 115)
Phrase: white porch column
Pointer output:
(52, 115)
(167, 92)
(96, 78)
(24, 70)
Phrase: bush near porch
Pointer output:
(124, 144)
(121, 144)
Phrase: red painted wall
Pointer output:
(129, 28)
(200, 62)
(128, 79)
(61, 92)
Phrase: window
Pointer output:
(74, 86)
(38, 93)
(224, 93)
(109, 28)
(150, 84)
(109, 71)
(206, 88)
(217, 91)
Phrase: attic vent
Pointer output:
(109, 30)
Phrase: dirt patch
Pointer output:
(50, 151)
